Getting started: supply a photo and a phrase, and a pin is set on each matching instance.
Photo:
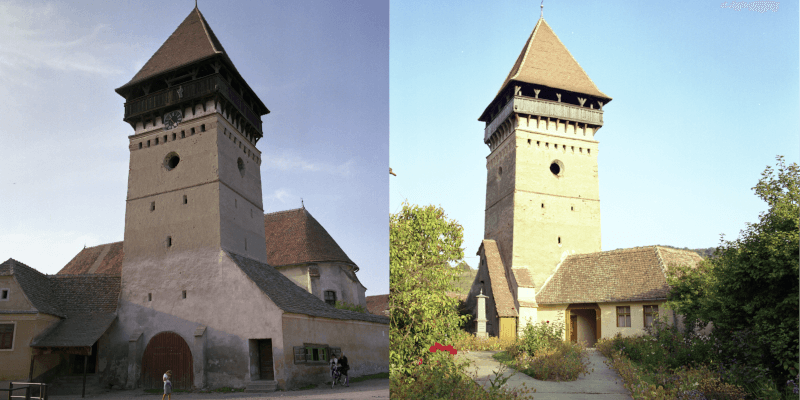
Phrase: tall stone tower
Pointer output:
(194, 180)
(542, 192)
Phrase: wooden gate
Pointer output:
(167, 351)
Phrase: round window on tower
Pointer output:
(557, 168)
(171, 161)
(240, 164)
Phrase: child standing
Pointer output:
(167, 385)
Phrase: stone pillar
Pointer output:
(199, 357)
(134, 343)
(481, 328)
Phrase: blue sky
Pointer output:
(320, 67)
(704, 98)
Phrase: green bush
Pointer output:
(469, 342)
(442, 377)
(352, 307)
(557, 361)
(541, 335)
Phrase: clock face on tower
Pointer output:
(172, 119)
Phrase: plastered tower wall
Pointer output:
(210, 199)
(554, 213)
(500, 185)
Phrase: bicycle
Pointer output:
(336, 374)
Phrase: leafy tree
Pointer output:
(424, 244)
(751, 286)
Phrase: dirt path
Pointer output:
(602, 383)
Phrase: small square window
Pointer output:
(192, 132)
(203, 128)
(650, 314)
(165, 138)
(140, 145)
(330, 297)
(174, 136)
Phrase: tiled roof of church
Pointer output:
(619, 275)
(192, 41)
(292, 298)
(34, 284)
(89, 303)
(295, 237)
(378, 305)
(102, 259)
(544, 60)
(503, 299)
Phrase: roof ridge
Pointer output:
(284, 211)
(204, 23)
(573, 57)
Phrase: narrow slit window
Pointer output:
(174, 136)
(148, 143)
(165, 138)
(149, 297)
(589, 151)
(183, 134)
(245, 243)
(152, 206)
(183, 294)
(156, 140)
(140, 145)
(542, 205)
(185, 199)
(191, 132)
(169, 241)
(203, 128)
(559, 240)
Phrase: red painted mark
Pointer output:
(438, 346)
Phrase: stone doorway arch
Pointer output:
(167, 351)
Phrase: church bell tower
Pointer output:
(542, 191)
(194, 181)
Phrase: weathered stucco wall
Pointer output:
(334, 276)
(609, 311)
(554, 314)
(16, 362)
(16, 301)
(366, 345)
(219, 296)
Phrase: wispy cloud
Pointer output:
(288, 161)
(37, 36)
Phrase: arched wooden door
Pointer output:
(167, 351)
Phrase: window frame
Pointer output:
(624, 311)
(7, 292)
(305, 354)
(325, 297)
(653, 311)
(13, 325)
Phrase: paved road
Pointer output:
(601, 384)
(366, 390)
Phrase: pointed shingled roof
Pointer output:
(546, 61)
(192, 41)
(295, 237)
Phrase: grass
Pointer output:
(382, 375)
